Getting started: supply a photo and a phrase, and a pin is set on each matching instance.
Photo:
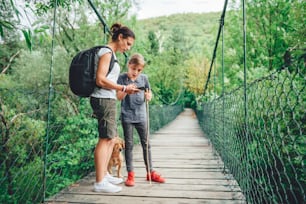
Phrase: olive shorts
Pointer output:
(104, 110)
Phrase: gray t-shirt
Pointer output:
(133, 107)
(112, 76)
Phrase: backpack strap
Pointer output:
(113, 60)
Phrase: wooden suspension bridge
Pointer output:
(193, 171)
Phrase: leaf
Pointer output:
(41, 29)
(7, 24)
(15, 10)
(1, 31)
(28, 37)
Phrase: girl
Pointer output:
(133, 114)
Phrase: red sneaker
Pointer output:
(130, 179)
(155, 177)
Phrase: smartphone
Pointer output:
(141, 88)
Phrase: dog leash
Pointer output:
(148, 134)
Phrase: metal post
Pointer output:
(50, 93)
(245, 99)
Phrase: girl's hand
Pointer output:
(148, 95)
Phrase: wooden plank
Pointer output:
(160, 191)
(182, 154)
(117, 199)
(141, 184)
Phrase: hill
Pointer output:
(200, 30)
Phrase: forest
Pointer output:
(43, 126)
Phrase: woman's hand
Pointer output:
(131, 89)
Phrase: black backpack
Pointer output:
(82, 71)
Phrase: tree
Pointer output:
(154, 43)
(8, 37)
(271, 25)
(196, 74)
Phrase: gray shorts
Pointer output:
(105, 111)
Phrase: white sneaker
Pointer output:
(106, 187)
(113, 180)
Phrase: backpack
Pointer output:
(82, 71)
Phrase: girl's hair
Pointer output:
(137, 59)
(118, 29)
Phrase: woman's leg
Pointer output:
(102, 155)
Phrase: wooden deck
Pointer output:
(183, 155)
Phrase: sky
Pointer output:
(155, 8)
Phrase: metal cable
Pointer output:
(49, 102)
(216, 46)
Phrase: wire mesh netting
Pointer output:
(264, 146)
(33, 166)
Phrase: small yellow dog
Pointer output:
(117, 157)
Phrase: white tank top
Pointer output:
(112, 76)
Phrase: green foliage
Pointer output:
(28, 38)
(71, 154)
(26, 177)
(5, 24)
(197, 74)
(177, 49)
(172, 45)
(21, 144)
(7, 20)
(114, 11)
(281, 146)
(42, 7)
(273, 27)
(32, 70)
(29, 177)
(264, 150)
(154, 43)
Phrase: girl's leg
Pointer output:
(142, 132)
(129, 143)
(151, 174)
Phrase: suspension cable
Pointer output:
(99, 16)
(245, 94)
(216, 44)
(106, 28)
(50, 93)
(223, 89)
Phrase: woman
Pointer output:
(103, 103)
(133, 114)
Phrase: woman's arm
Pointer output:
(101, 75)
(102, 81)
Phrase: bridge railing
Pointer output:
(262, 139)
